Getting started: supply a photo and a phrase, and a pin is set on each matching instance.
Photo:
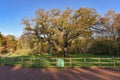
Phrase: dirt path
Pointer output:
(17, 73)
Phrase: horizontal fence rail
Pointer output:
(68, 62)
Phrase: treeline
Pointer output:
(7, 43)
(69, 32)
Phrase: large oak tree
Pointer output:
(60, 28)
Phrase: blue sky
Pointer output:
(13, 11)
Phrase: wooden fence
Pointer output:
(68, 62)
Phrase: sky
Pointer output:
(13, 11)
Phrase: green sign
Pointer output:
(60, 62)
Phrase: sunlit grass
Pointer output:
(51, 61)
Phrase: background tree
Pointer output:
(3, 44)
(11, 43)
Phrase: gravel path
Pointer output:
(18, 73)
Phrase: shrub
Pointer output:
(102, 47)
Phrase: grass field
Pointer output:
(78, 60)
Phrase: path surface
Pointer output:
(18, 73)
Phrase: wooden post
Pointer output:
(0, 60)
(85, 64)
(30, 62)
(5, 61)
(99, 61)
(40, 62)
(70, 62)
(44, 62)
(113, 59)
(56, 62)
(12, 61)
(22, 62)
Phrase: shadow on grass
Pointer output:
(27, 61)
(38, 61)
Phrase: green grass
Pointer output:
(51, 61)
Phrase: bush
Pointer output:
(103, 47)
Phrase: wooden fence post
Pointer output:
(44, 64)
(0, 60)
(30, 62)
(99, 61)
(5, 60)
(85, 64)
(12, 61)
(113, 59)
(22, 62)
(70, 62)
(56, 62)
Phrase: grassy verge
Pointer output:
(78, 60)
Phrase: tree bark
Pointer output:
(66, 52)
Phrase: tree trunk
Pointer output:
(66, 52)
(117, 49)
(65, 48)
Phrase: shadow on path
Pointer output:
(18, 73)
